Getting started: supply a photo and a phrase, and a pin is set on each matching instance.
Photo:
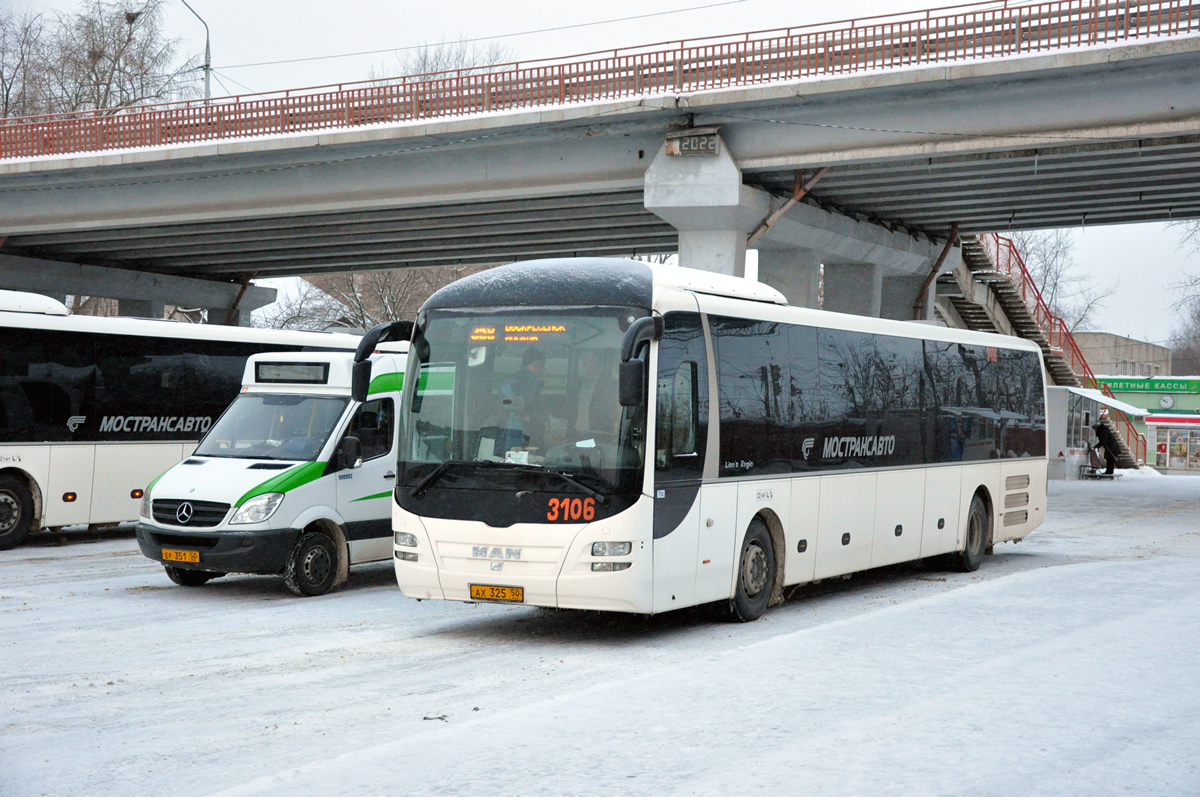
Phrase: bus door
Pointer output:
(680, 438)
(364, 494)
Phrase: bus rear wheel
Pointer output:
(16, 511)
(312, 567)
(755, 575)
(189, 578)
(970, 557)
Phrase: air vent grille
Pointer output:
(1014, 500)
(269, 466)
(1016, 518)
(1018, 482)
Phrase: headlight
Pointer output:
(145, 510)
(257, 509)
(611, 548)
(406, 540)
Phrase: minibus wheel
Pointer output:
(189, 578)
(971, 556)
(16, 511)
(755, 574)
(313, 565)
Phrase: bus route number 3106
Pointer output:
(569, 509)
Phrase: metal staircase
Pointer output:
(993, 292)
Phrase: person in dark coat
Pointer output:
(1107, 441)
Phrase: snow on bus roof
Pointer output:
(22, 302)
(690, 279)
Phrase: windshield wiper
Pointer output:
(437, 473)
(601, 498)
(431, 477)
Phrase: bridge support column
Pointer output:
(853, 288)
(139, 308)
(900, 294)
(217, 315)
(796, 273)
(703, 197)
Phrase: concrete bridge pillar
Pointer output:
(854, 288)
(140, 308)
(703, 197)
(900, 294)
(796, 273)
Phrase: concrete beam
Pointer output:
(843, 240)
(853, 288)
(55, 278)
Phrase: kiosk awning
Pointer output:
(1100, 398)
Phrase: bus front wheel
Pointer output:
(971, 556)
(16, 511)
(312, 568)
(755, 575)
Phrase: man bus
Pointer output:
(737, 447)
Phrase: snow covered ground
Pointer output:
(1067, 665)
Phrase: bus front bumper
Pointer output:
(262, 551)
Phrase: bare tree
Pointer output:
(309, 308)
(359, 300)
(1189, 234)
(102, 55)
(445, 56)
(20, 35)
(1071, 293)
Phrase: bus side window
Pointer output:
(677, 415)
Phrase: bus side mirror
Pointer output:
(351, 453)
(631, 385)
(360, 381)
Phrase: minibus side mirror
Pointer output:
(351, 452)
(360, 381)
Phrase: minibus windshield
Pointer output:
(266, 426)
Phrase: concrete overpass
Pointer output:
(986, 118)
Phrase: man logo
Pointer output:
(184, 513)
(75, 421)
(807, 446)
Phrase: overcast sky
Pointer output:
(1145, 258)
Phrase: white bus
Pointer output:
(608, 434)
(92, 409)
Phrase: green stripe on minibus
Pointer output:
(386, 383)
(288, 480)
(388, 494)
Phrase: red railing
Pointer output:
(1009, 261)
(941, 35)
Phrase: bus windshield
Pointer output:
(531, 392)
(266, 426)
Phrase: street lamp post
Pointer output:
(207, 54)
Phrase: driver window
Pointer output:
(372, 425)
